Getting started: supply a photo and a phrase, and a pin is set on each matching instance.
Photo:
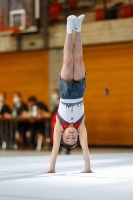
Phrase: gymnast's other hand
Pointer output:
(49, 171)
(87, 171)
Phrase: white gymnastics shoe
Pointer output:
(71, 23)
(78, 23)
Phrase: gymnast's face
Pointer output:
(70, 136)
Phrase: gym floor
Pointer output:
(22, 178)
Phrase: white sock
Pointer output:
(78, 23)
(70, 23)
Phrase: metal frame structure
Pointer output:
(20, 12)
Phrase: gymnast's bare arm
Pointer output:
(84, 144)
(56, 145)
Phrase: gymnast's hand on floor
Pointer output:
(87, 171)
(49, 171)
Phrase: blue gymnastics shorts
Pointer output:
(73, 89)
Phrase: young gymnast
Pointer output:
(70, 117)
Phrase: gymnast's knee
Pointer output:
(68, 60)
(78, 58)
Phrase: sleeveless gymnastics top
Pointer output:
(70, 111)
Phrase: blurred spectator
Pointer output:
(37, 109)
(4, 112)
(20, 109)
(55, 97)
(4, 109)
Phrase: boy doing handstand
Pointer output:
(70, 117)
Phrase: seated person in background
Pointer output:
(37, 109)
(4, 109)
(20, 109)
(55, 97)
(6, 113)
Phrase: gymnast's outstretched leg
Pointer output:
(79, 70)
(67, 68)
